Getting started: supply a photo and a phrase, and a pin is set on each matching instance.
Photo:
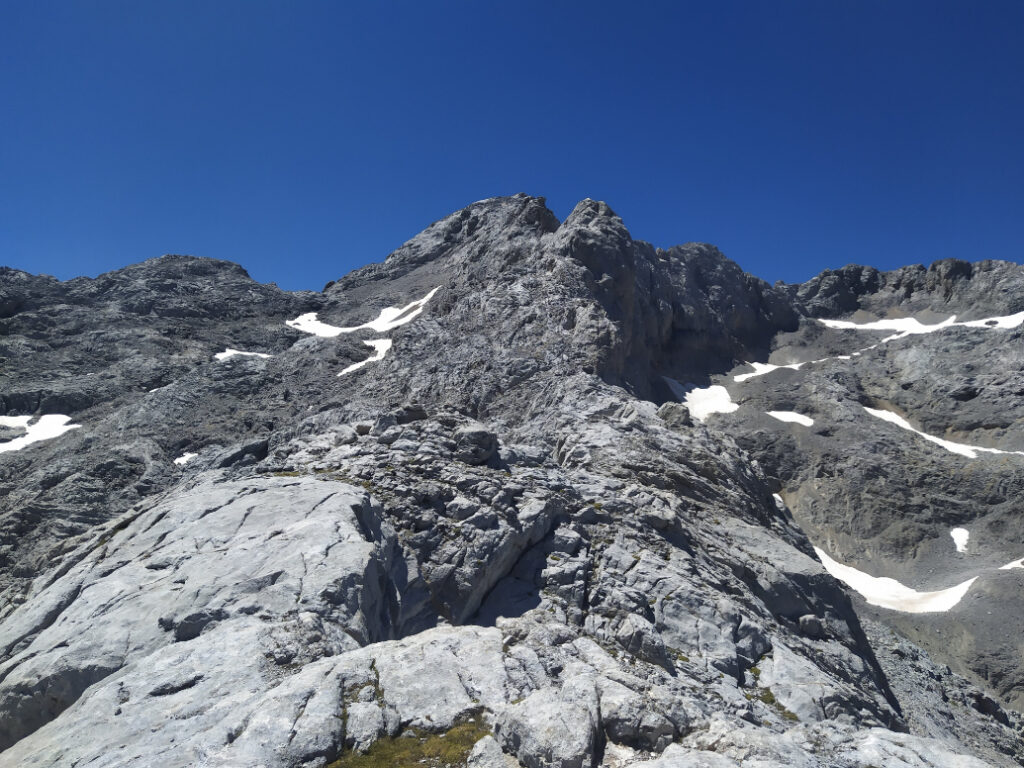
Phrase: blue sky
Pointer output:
(303, 139)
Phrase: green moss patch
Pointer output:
(418, 748)
(766, 696)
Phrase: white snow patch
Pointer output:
(889, 593)
(790, 416)
(380, 347)
(308, 323)
(1007, 322)
(388, 319)
(960, 537)
(904, 326)
(1014, 564)
(46, 428)
(909, 326)
(714, 399)
(229, 353)
(970, 451)
(760, 369)
(185, 458)
(780, 503)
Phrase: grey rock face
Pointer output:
(475, 445)
(504, 530)
(886, 499)
(556, 728)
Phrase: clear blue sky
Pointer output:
(303, 139)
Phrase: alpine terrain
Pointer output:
(527, 493)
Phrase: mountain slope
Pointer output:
(455, 493)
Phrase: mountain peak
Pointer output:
(522, 472)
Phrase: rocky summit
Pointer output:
(528, 493)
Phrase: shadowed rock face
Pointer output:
(504, 517)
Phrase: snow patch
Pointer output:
(790, 416)
(889, 593)
(185, 458)
(388, 319)
(1014, 564)
(229, 353)
(904, 326)
(780, 503)
(1006, 322)
(714, 399)
(46, 428)
(970, 451)
(760, 369)
(380, 348)
(308, 323)
(960, 537)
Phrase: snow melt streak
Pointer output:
(889, 593)
(229, 353)
(970, 451)
(790, 416)
(760, 369)
(380, 348)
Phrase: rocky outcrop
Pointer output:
(501, 538)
